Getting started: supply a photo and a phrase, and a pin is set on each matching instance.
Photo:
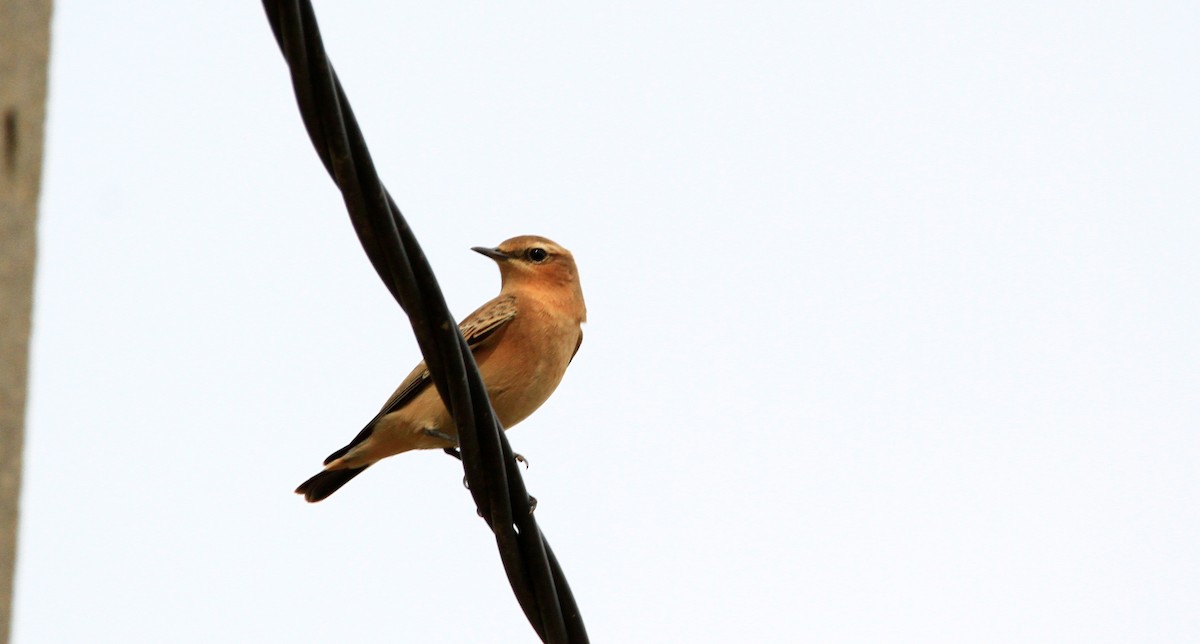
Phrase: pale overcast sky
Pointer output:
(893, 322)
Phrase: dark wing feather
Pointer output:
(577, 345)
(476, 329)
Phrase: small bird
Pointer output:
(522, 341)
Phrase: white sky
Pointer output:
(893, 325)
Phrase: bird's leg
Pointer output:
(442, 436)
(454, 451)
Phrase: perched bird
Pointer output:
(522, 340)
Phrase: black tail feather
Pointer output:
(325, 483)
(362, 436)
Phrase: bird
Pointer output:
(522, 340)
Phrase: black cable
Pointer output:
(492, 473)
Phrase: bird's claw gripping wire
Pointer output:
(454, 451)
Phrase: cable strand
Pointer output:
(490, 467)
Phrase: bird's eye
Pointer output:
(537, 254)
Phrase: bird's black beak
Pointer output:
(494, 253)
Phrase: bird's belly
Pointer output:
(524, 379)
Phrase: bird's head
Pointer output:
(535, 262)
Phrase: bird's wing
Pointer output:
(477, 328)
(488, 319)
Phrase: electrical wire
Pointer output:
(492, 473)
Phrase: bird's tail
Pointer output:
(327, 482)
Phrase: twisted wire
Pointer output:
(492, 473)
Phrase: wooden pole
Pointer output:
(24, 54)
